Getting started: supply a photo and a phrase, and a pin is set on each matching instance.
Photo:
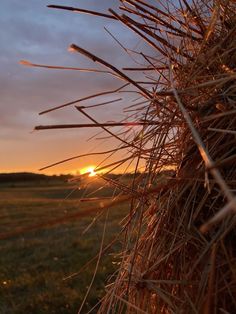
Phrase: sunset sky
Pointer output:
(31, 31)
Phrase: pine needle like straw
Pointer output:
(81, 156)
(101, 104)
(78, 10)
(54, 67)
(222, 131)
(96, 267)
(90, 125)
(84, 98)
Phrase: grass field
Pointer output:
(34, 266)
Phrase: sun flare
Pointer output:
(89, 170)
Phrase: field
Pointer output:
(38, 268)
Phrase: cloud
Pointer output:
(31, 31)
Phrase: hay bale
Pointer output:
(177, 259)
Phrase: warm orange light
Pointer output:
(89, 170)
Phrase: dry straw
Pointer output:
(179, 251)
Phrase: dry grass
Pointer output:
(179, 254)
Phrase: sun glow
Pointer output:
(88, 170)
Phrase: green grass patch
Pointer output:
(34, 265)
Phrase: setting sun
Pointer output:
(89, 170)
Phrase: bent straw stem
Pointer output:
(94, 58)
(80, 156)
(85, 98)
(105, 129)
